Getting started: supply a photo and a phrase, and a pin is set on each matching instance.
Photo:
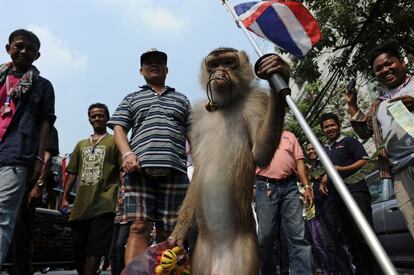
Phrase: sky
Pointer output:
(90, 48)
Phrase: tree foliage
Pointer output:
(351, 29)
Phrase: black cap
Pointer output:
(153, 52)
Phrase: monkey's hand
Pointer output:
(272, 64)
(179, 234)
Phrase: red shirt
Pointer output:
(5, 119)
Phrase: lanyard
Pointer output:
(97, 142)
(5, 109)
(394, 92)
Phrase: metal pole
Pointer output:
(343, 191)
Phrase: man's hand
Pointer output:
(351, 99)
(131, 164)
(64, 203)
(37, 170)
(323, 187)
(407, 100)
(35, 195)
(351, 96)
(308, 197)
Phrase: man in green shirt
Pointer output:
(95, 164)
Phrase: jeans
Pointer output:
(325, 259)
(282, 207)
(362, 257)
(22, 239)
(12, 187)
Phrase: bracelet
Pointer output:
(306, 186)
(125, 155)
(40, 158)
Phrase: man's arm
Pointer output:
(70, 179)
(353, 167)
(130, 162)
(36, 191)
(360, 122)
(304, 180)
(43, 135)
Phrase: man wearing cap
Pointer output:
(154, 158)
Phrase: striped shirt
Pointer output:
(159, 126)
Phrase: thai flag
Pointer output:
(287, 24)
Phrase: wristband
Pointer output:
(306, 186)
(40, 158)
(125, 155)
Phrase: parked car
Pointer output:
(389, 224)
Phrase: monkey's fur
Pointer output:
(227, 146)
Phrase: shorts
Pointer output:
(92, 237)
(157, 199)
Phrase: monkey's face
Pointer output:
(219, 66)
(224, 71)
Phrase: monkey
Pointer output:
(235, 130)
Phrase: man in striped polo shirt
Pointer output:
(154, 158)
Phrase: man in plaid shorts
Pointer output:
(154, 158)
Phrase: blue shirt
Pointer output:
(21, 139)
(159, 125)
(345, 151)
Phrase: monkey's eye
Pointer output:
(212, 65)
(231, 63)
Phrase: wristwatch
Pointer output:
(40, 183)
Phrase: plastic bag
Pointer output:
(146, 263)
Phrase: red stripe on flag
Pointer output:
(306, 19)
(252, 18)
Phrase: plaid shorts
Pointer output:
(155, 199)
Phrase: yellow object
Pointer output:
(168, 263)
(168, 259)
(159, 270)
(310, 213)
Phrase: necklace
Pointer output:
(97, 142)
(5, 109)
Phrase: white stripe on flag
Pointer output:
(294, 27)
(257, 30)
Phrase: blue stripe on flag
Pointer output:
(243, 7)
(272, 26)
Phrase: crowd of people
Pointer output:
(129, 190)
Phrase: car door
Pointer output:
(378, 191)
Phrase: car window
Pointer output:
(390, 190)
(376, 188)
(377, 192)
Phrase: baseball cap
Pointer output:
(153, 52)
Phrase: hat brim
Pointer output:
(147, 55)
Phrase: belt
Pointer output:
(270, 180)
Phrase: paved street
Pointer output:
(68, 272)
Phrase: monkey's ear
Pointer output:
(246, 67)
(244, 58)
